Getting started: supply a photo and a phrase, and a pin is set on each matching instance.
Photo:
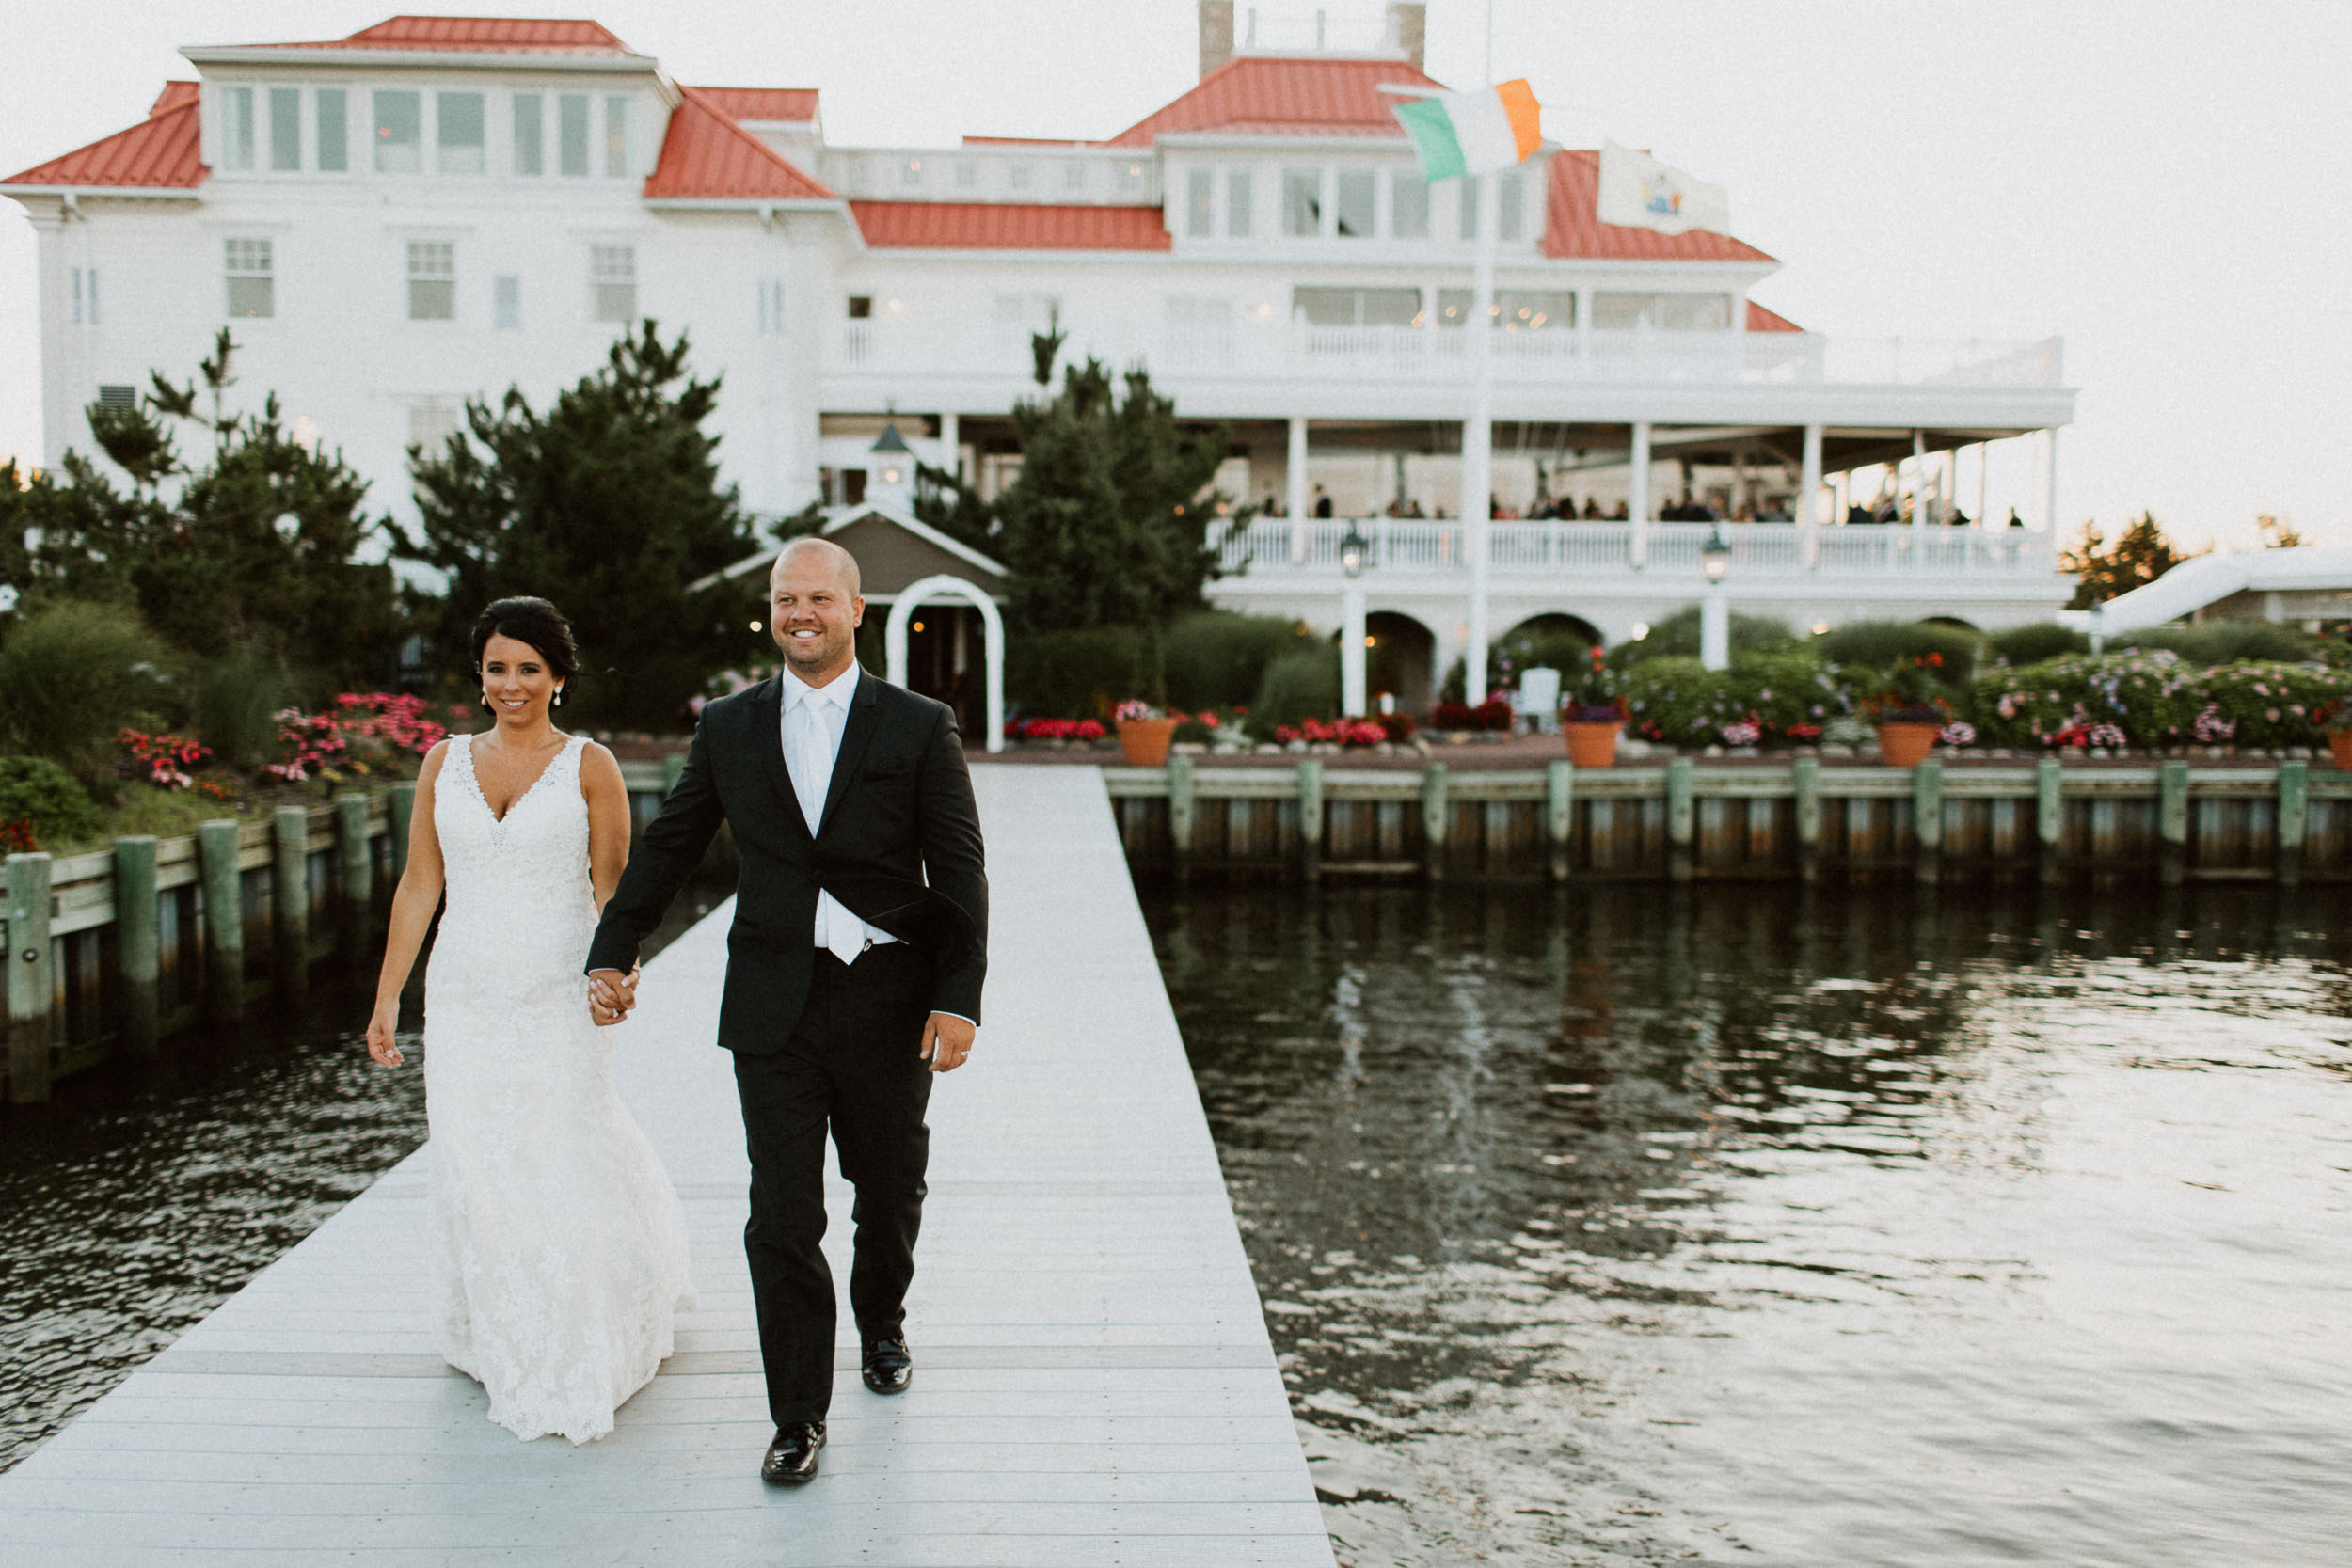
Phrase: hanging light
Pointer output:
(1354, 548)
(1715, 555)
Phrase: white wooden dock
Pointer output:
(1094, 1383)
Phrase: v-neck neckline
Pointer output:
(498, 820)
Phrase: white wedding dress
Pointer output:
(559, 1245)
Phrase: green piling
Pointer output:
(224, 921)
(137, 947)
(32, 978)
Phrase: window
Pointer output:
(1239, 204)
(285, 127)
(911, 173)
(1510, 206)
(1130, 179)
(334, 129)
(118, 396)
(1515, 310)
(1662, 312)
(612, 281)
(860, 307)
(1018, 177)
(1469, 189)
(84, 296)
(1074, 176)
(1409, 205)
(529, 145)
(771, 304)
(571, 133)
(399, 133)
(1356, 307)
(430, 426)
(1353, 204)
(1302, 201)
(616, 137)
(458, 120)
(236, 127)
(506, 302)
(432, 280)
(252, 285)
(968, 174)
(1199, 200)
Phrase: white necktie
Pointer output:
(838, 930)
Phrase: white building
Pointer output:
(436, 208)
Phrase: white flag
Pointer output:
(1639, 192)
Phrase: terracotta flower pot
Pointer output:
(2340, 748)
(1143, 743)
(1906, 745)
(1592, 742)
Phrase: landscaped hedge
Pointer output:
(1762, 699)
(2155, 699)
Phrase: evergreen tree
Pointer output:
(609, 504)
(251, 552)
(2139, 555)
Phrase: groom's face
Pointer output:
(813, 613)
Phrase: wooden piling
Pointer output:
(1559, 813)
(1927, 820)
(137, 947)
(2172, 823)
(1182, 818)
(1310, 819)
(400, 808)
(2293, 816)
(1436, 808)
(224, 921)
(354, 882)
(1681, 820)
(1806, 786)
(290, 899)
(32, 979)
(2049, 817)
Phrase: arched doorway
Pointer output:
(938, 646)
(1554, 639)
(1398, 654)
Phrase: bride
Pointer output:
(558, 1247)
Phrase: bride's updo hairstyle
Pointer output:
(532, 621)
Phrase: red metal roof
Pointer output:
(501, 35)
(1276, 97)
(996, 226)
(707, 154)
(796, 105)
(1572, 229)
(1761, 320)
(158, 153)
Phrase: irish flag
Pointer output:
(1473, 132)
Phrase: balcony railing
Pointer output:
(1280, 548)
(1297, 351)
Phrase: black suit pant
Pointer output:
(852, 1064)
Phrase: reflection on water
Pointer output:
(138, 1199)
(1630, 1225)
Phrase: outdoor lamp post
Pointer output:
(1715, 609)
(1355, 551)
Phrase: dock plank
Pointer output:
(1094, 1382)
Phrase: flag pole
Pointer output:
(1478, 436)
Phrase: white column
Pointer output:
(1294, 487)
(1918, 478)
(2050, 503)
(1352, 699)
(951, 442)
(1984, 483)
(1809, 495)
(1637, 497)
(1478, 437)
(1715, 627)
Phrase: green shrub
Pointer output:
(73, 675)
(1218, 659)
(1789, 695)
(2032, 644)
(2145, 699)
(1786, 694)
(1074, 674)
(1678, 637)
(2230, 642)
(37, 790)
(238, 697)
(1297, 687)
(2268, 703)
(1880, 645)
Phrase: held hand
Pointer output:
(947, 1042)
(382, 1024)
(610, 996)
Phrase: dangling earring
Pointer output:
(486, 703)
(558, 697)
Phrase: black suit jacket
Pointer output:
(899, 845)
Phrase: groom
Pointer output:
(853, 968)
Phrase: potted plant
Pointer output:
(1144, 731)
(1910, 709)
(2335, 721)
(1593, 716)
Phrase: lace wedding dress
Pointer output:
(559, 1245)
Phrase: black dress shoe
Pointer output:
(888, 1368)
(792, 1457)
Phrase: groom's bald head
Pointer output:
(819, 554)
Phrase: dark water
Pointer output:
(139, 1199)
(1633, 1225)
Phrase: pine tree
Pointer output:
(2139, 555)
(610, 504)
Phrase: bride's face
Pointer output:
(515, 681)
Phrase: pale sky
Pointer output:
(2163, 184)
